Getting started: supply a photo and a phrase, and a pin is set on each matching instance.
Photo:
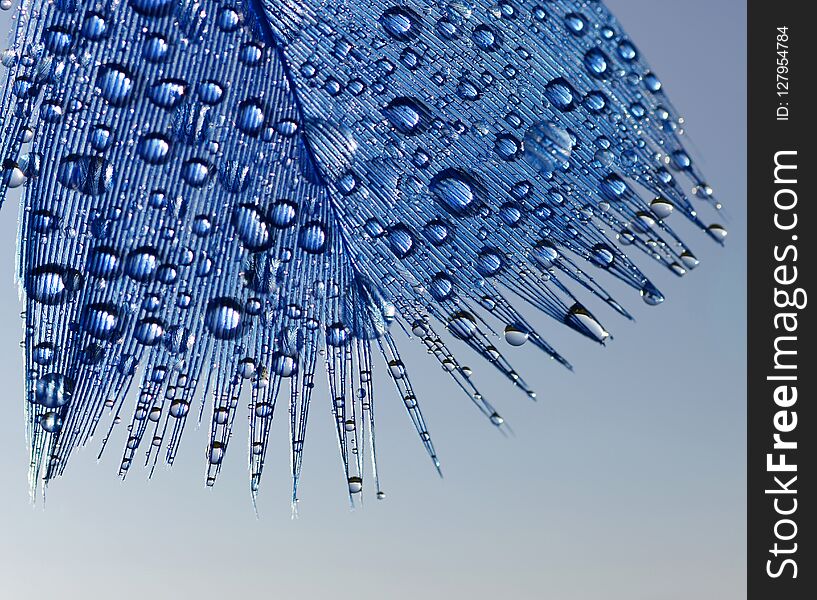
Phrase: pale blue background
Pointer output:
(625, 481)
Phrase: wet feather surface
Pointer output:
(228, 196)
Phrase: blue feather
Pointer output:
(219, 196)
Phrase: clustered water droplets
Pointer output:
(218, 197)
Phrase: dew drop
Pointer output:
(516, 335)
(223, 318)
(548, 147)
(400, 23)
(116, 83)
(53, 390)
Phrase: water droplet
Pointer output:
(580, 319)
(152, 8)
(548, 147)
(401, 240)
(149, 331)
(94, 27)
(401, 23)
(195, 172)
(101, 320)
(597, 63)
(486, 38)
(652, 82)
(313, 237)
(489, 262)
(456, 191)
(101, 137)
(141, 263)
(283, 213)
(337, 334)
(228, 20)
(355, 485)
(216, 453)
(516, 335)
(51, 421)
(53, 284)
(561, 94)
(650, 294)
(507, 147)
(58, 39)
(210, 92)
(627, 51)
(462, 325)
(91, 175)
(661, 207)
(602, 256)
(154, 148)
(43, 353)
(689, 260)
(250, 116)
(156, 48)
(595, 101)
(53, 390)
(251, 227)
(223, 318)
(167, 93)
(263, 409)
(284, 365)
(116, 83)
(718, 232)
(179, 408)
(407, 115)
(575, 23)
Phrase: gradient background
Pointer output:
(625, 481)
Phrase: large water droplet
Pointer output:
(486, 38)
(58, 39)
(152, 8)
(661, 207)
(53, 284)
(149, 331)
(407, 115)
(456, 191)
(101, 320)
(167, 93)
(141, 263)
(516, 335)
(116, 83)
(223, 318)
(580, 319)
(251, 227)
(462, 325)
(313, 237)
(154, 148)
(548, 147)
(53, 390)
(401, 23)
(51, 421)
(355, 485)
(92, 175)
(284, 365)
(650, 294)
(561, 94)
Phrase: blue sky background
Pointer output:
(625, 481)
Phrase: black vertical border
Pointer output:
(768, 135)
